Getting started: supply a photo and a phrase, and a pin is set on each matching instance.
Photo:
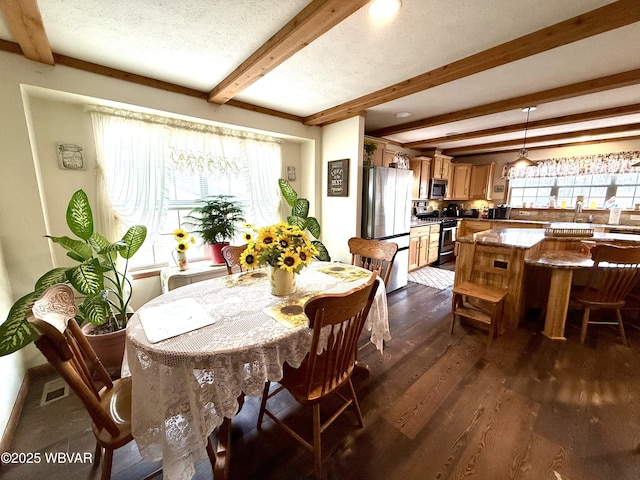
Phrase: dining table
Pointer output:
(195, 352)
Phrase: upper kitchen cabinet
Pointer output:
(421, 167)
(388, 158)
(440, 166)
(377, 148)
(481, 183)
(459, 181)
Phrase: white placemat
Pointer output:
(173, 319)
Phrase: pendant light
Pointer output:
(523, 161)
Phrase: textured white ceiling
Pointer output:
(197, 43)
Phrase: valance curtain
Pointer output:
(606, 163)
(137, 154)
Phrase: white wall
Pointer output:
(341, 216)
(13, 366)
(39, 107)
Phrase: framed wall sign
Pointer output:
(70, 156)
(338, 178)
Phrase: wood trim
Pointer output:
(25, 23)
(595, 85)
(609, 17)
(16, 411)
(549, 122)
(71, 62)
(546, 138)
(314, 20)
(126, 76)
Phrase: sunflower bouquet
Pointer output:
(281, 245)
(183, 240)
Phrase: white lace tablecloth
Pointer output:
(184, 386)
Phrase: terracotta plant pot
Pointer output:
(216, 253)
(108, 346)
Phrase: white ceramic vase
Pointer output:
(282, 281)
(181, 261)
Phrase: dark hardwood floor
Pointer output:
(436, 406)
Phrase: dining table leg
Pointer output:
(558, 303)
(223, 449)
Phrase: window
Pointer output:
(596, 190)
(154, 169)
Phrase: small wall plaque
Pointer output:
(338, 178)
(70, 156)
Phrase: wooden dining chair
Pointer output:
(336, 319)
(231, 255)
(608, 285)
(374, 255)
(66, 348)
(481, 296)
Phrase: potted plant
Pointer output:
(98, 276)
(215, 219)
(369, 149)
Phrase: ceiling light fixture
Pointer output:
(403, 114)
(523, 161)
(384, 9)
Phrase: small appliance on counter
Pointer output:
(452, 210)
(501, 212)
(424, 212)
(469, 213)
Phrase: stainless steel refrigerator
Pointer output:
(386, 215)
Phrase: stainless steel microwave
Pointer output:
(437, 189)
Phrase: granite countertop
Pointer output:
(526, 238)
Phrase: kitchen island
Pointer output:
(539, 267)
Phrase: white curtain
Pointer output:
(131, 173)
(137, 154)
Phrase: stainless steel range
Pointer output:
(448, 227)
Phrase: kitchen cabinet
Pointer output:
(377, 158)
(459, 181)
(421, 167)
(440, 166)
(424, 243)
(468, 227)
(388, 157)
(481, 182)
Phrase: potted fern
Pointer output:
(216, 219)
(100, 276)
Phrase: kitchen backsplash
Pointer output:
(567, 215)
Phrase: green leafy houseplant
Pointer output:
(97, 276)
(215, 219)
(301, 219)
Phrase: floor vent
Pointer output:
(54, 390)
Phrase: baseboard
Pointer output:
(16, 411)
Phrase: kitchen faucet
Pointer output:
(577, 211)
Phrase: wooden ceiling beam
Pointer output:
(315, 19)
(532, 125)
(609, 17)
(596, 85)
(25, 24)
(488, 147)
(557, 145)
